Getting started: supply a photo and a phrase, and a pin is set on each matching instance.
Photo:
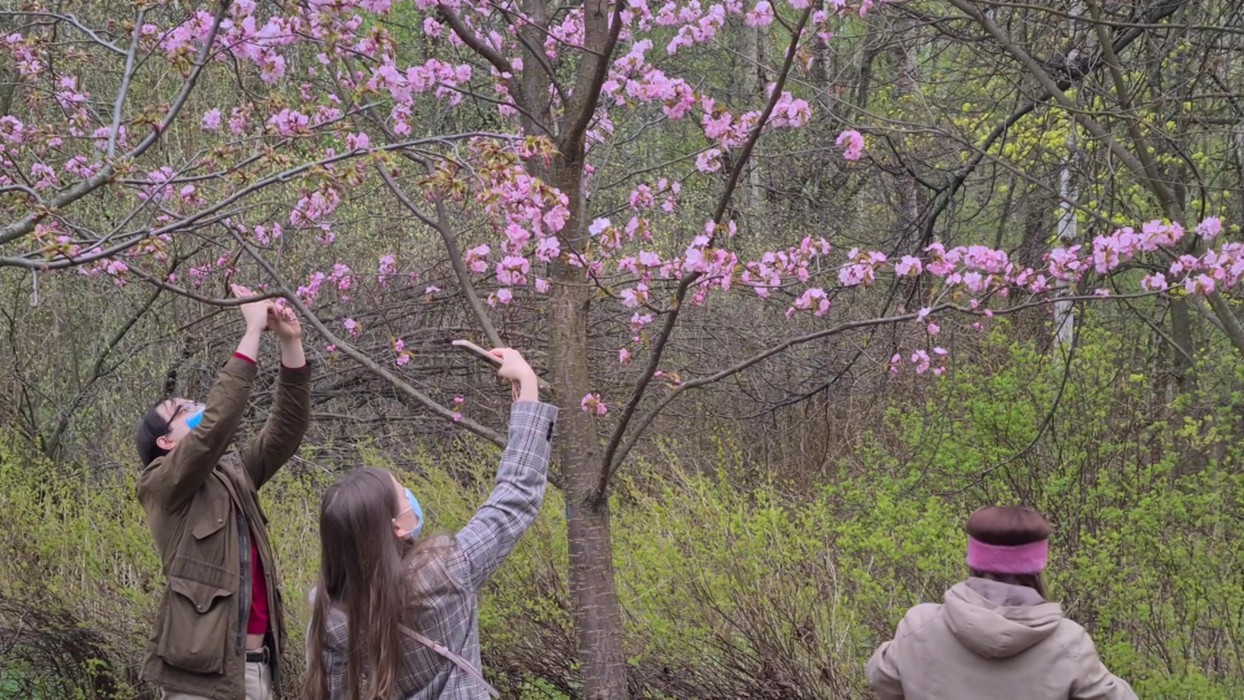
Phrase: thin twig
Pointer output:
(125, 83)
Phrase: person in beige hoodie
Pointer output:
(995, 635)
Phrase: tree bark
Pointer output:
(596, 613)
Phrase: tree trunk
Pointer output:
(596, 613)
(909, 194)
(1068, 195)
(1068, 232)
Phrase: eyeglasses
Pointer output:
(183, 407)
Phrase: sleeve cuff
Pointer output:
(304, 369)
(533, 416)
(241, 356)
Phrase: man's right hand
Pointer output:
(255, 312)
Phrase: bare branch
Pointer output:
(52, 444)
(1133, 32)
(125, 83)
(203, 299)
(70, 19)
(1159, 188)
(648, 417)
(441, 226)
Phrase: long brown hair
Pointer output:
(361, 574)
(1009, 526)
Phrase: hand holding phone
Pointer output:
(500, 358)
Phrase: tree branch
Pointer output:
(125, 83)
(835, 330)
(1160, 11)
(592, 73)
(441, 226)
(198, 217)
(27, 223)
(76, 24)
(476, 44)
(610, 459)
(356, 355)
(52, 444)
(1163, 193)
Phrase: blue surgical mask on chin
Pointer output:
(414, 507)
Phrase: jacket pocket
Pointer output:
(210, 518)
(195, 636)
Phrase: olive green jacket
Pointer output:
(202, 508)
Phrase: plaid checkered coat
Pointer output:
(444, 589)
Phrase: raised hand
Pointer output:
(523, 381)
(284, 322)
(255, 312)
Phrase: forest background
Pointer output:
(732, 253)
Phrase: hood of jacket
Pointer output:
(999, 620)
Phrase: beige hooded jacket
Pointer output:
(991, 640)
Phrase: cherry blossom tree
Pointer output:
(244, 133)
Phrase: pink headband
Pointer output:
(996, 559)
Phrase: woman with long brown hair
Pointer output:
(394, 616)
(995, 635)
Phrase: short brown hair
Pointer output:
(1007, 526)
(151, 428)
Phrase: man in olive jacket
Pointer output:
(220, 630)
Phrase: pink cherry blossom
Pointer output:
(1154, 283)
(1209, 228)
(760, 16)
(908, 266)
(920, 359)
(211, 119)
(709, 161)
(854, 144)
(598, 226)
(592, 405)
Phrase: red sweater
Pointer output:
(257, 623)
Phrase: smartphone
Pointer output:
(477, 350)
(488, 357)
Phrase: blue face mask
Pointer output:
(193, 420)
(414, 507)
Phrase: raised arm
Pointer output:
(490, 536)
(291, 409)
(171, 479)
